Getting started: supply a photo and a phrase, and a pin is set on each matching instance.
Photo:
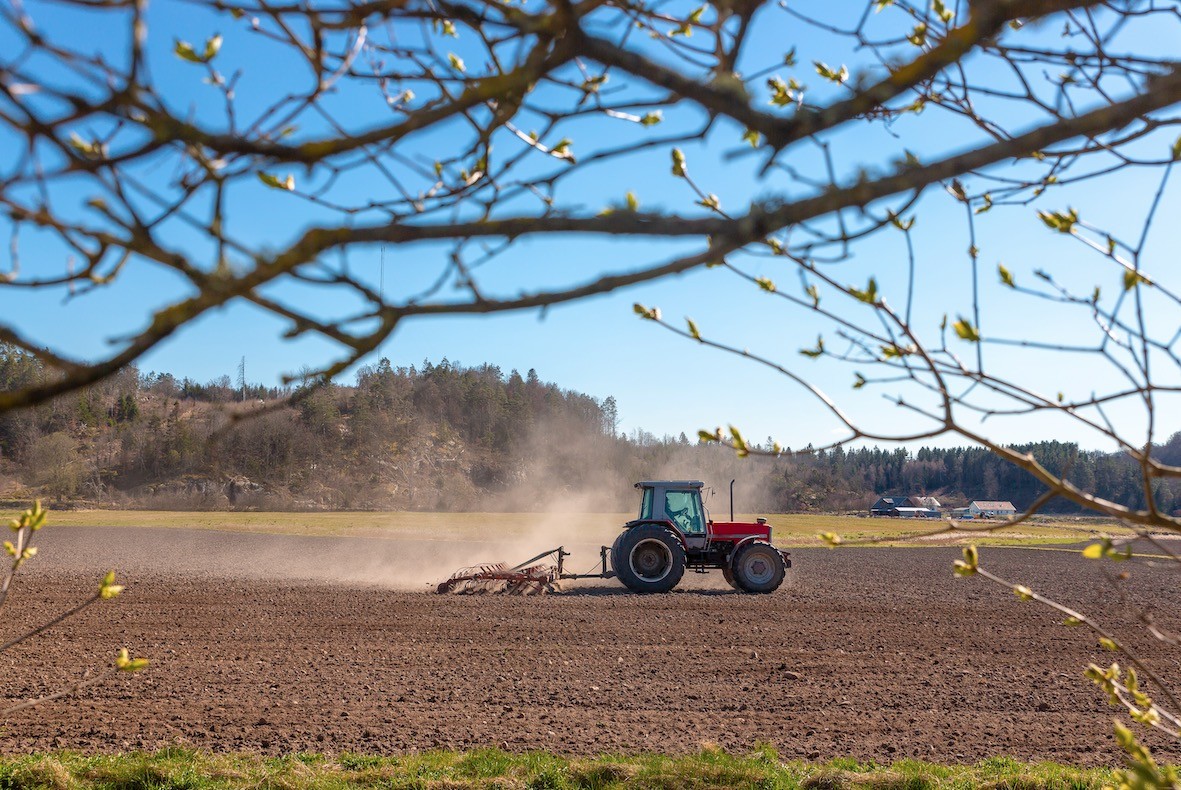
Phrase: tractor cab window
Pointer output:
(646, 504)
(683, 508)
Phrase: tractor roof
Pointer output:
(669, 484)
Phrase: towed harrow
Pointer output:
(533, 576)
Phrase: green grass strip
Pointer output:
(185, 769)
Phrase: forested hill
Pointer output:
(443, 436)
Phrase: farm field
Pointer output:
(790, 528)
(277, 644)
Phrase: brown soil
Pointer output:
(872, 653)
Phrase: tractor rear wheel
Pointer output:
(615, 549)
(649, 559)
(758, 568)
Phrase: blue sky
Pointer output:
(662, 383)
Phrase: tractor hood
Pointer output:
(736, 530)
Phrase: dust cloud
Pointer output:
(575, 495)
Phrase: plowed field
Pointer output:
(279, 644)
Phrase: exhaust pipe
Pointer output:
(731, 500)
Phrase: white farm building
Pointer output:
(987, 508)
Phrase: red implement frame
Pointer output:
(529, 577)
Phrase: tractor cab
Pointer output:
(677, 502)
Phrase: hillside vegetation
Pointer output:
(447, 437)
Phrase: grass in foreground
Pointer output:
(791, 529)
(182, 769)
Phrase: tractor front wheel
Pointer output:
(728, 575)
(758, 568)
(649, 559)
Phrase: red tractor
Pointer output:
(674, 533)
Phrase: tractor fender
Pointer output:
(743, 542)
(658, 521)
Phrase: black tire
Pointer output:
(758, 568)
(615, 547)
(728, 575)
(648, 559)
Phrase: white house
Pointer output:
(985, 508)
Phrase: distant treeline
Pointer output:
(848, 479)
(447, 437)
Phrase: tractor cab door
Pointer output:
(683, 508)
(646, 504)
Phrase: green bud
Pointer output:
(649, 313)
(678, 163)
(869, 295)
(966, 331)
(125, 663)
(275, 182)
